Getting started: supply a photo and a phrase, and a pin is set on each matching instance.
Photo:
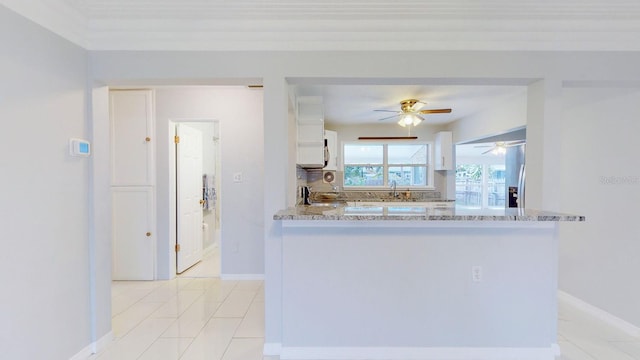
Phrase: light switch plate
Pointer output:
(476, 273)
(237, 177)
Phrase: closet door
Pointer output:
(133, 184)
(132, 146)
(133, 233)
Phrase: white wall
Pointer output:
(240, 116)
(506, 113)
(278, 68)
(45, 199)
(601, 179)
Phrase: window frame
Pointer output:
(385, 165)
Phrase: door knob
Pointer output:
(148, 233)
(147, 139)
(201, 202)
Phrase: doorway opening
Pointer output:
(195, 188)
(490, 171)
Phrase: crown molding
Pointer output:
(365, 35)
(308, 25)
(56, 16)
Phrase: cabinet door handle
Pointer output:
(148, 234)
(147, 139)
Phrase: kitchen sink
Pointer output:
(328, 204)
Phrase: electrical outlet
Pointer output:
(237, 177)
(476, 273)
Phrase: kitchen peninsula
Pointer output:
(419, 282)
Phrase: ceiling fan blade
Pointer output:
(515, 143)
(435, 111)
(389, 117)
(488, 151)
(481, 146)
(393, 111)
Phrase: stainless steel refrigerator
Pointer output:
(515, 176)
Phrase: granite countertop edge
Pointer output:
(336, 214)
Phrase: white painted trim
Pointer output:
(600, 314)
(103, 342)
(138, 34)
(272, 349)
(242, 277)
(295, 33)
(94, 347)
(84, 353)
(409, 353)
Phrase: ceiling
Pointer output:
(581, 25)
(355, 104)
(353, 25)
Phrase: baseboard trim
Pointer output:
(600, 314)
(409, 353)
(272, 349)
(84, 354)
(103, 342)
(94, 348)
(242, 276)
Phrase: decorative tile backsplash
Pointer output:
(380, 195)
(314, 179)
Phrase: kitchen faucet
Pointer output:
(394, 185)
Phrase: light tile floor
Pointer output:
(197, 317)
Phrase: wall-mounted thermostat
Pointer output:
(79, 147)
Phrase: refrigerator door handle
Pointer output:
(521, 182)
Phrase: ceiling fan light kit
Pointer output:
(410, 112)
(410, 119)
(500, 147)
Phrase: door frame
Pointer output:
(173, 186)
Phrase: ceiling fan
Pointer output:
(410, 112)
(500, 147)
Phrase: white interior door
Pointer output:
(189, 196)
(133, 237)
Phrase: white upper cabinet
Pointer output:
(132, 138)
(310, 124)
(443, 153)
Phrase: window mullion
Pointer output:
(385, 165)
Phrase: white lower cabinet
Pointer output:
(133, 233)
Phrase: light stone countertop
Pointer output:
(420, 213)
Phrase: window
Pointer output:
(480, 185)
(368, 165)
